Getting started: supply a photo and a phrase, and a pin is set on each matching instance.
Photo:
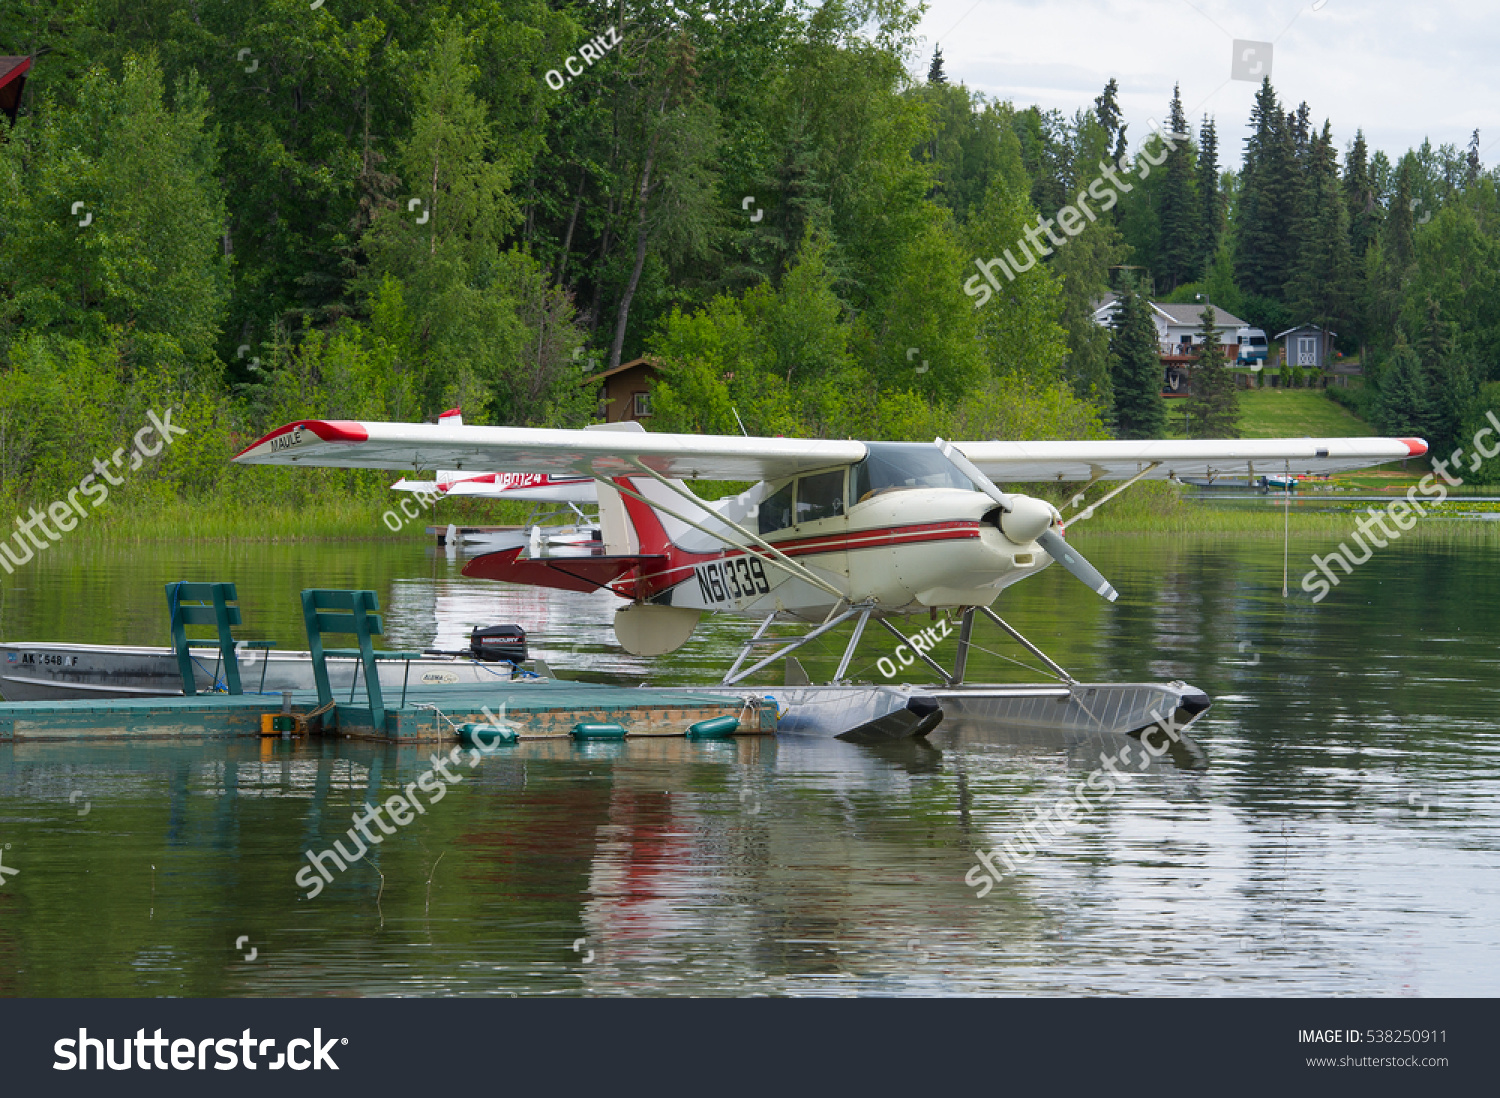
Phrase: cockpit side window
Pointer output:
(776, 510)
(820, 496)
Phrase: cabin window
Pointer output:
(776, 510)
(820, 496)
(895, 466)
(642, 405)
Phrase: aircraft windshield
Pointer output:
(897, 466)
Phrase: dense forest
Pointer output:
(253, 212)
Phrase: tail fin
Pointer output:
(453, 417)
(630, 527)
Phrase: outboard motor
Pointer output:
(494, 643)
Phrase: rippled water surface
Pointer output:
(1340, 836)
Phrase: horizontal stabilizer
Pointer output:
(570, 573)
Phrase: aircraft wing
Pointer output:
(610, 452)
(348, 444)
(1121, 460)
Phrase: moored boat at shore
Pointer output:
(63, 672)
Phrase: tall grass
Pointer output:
(325, 518)
(1157, 508)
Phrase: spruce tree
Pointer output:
(1320, 289)
(1107, 109)
(1210, 200)
(1214, 403)
(1359, 197)
(1268, 199)
(1179, 249)
(935, 74)
(1446, 377)
(1400, 221)
(1405, 406)
(1136, 365)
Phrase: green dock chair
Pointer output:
(192, 604)
(352, 612)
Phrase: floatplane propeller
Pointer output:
(1026, 518)
(831, 530)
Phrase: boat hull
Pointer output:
(69, 672)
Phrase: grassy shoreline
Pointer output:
(338, 519)
(1149, 509)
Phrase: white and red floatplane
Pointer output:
(831, 531)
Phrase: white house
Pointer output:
(1176, 325)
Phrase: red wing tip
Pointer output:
(451, 412)
(1415, 447)
(327, 430)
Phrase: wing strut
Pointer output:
(1088, 511)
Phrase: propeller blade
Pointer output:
(1065, 555)
(972, 471)
(1050, 540)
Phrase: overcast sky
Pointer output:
(1400, 71)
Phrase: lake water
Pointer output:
(1340, 837)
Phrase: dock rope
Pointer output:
(439, 713)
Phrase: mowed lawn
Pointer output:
(1286, 413)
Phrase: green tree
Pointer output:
(1083, 271)
(1406, 406)
(1264, 248)
(446, 250)
(672, 200)
(935, 70)
(1214, 403)
(1139, 411)
(1018, 322)
(1179, 255)
(1211, 207)
(111, 217)
(1360, 197)
(1321, 287)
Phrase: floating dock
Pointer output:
(534, 709)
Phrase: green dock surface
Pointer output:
(533, 708)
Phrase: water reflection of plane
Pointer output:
(568, 628)
(799, 862)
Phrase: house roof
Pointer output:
(1308, 327)
(13, 68)
(1181, 315)
(645, 360)
(1189, 314)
